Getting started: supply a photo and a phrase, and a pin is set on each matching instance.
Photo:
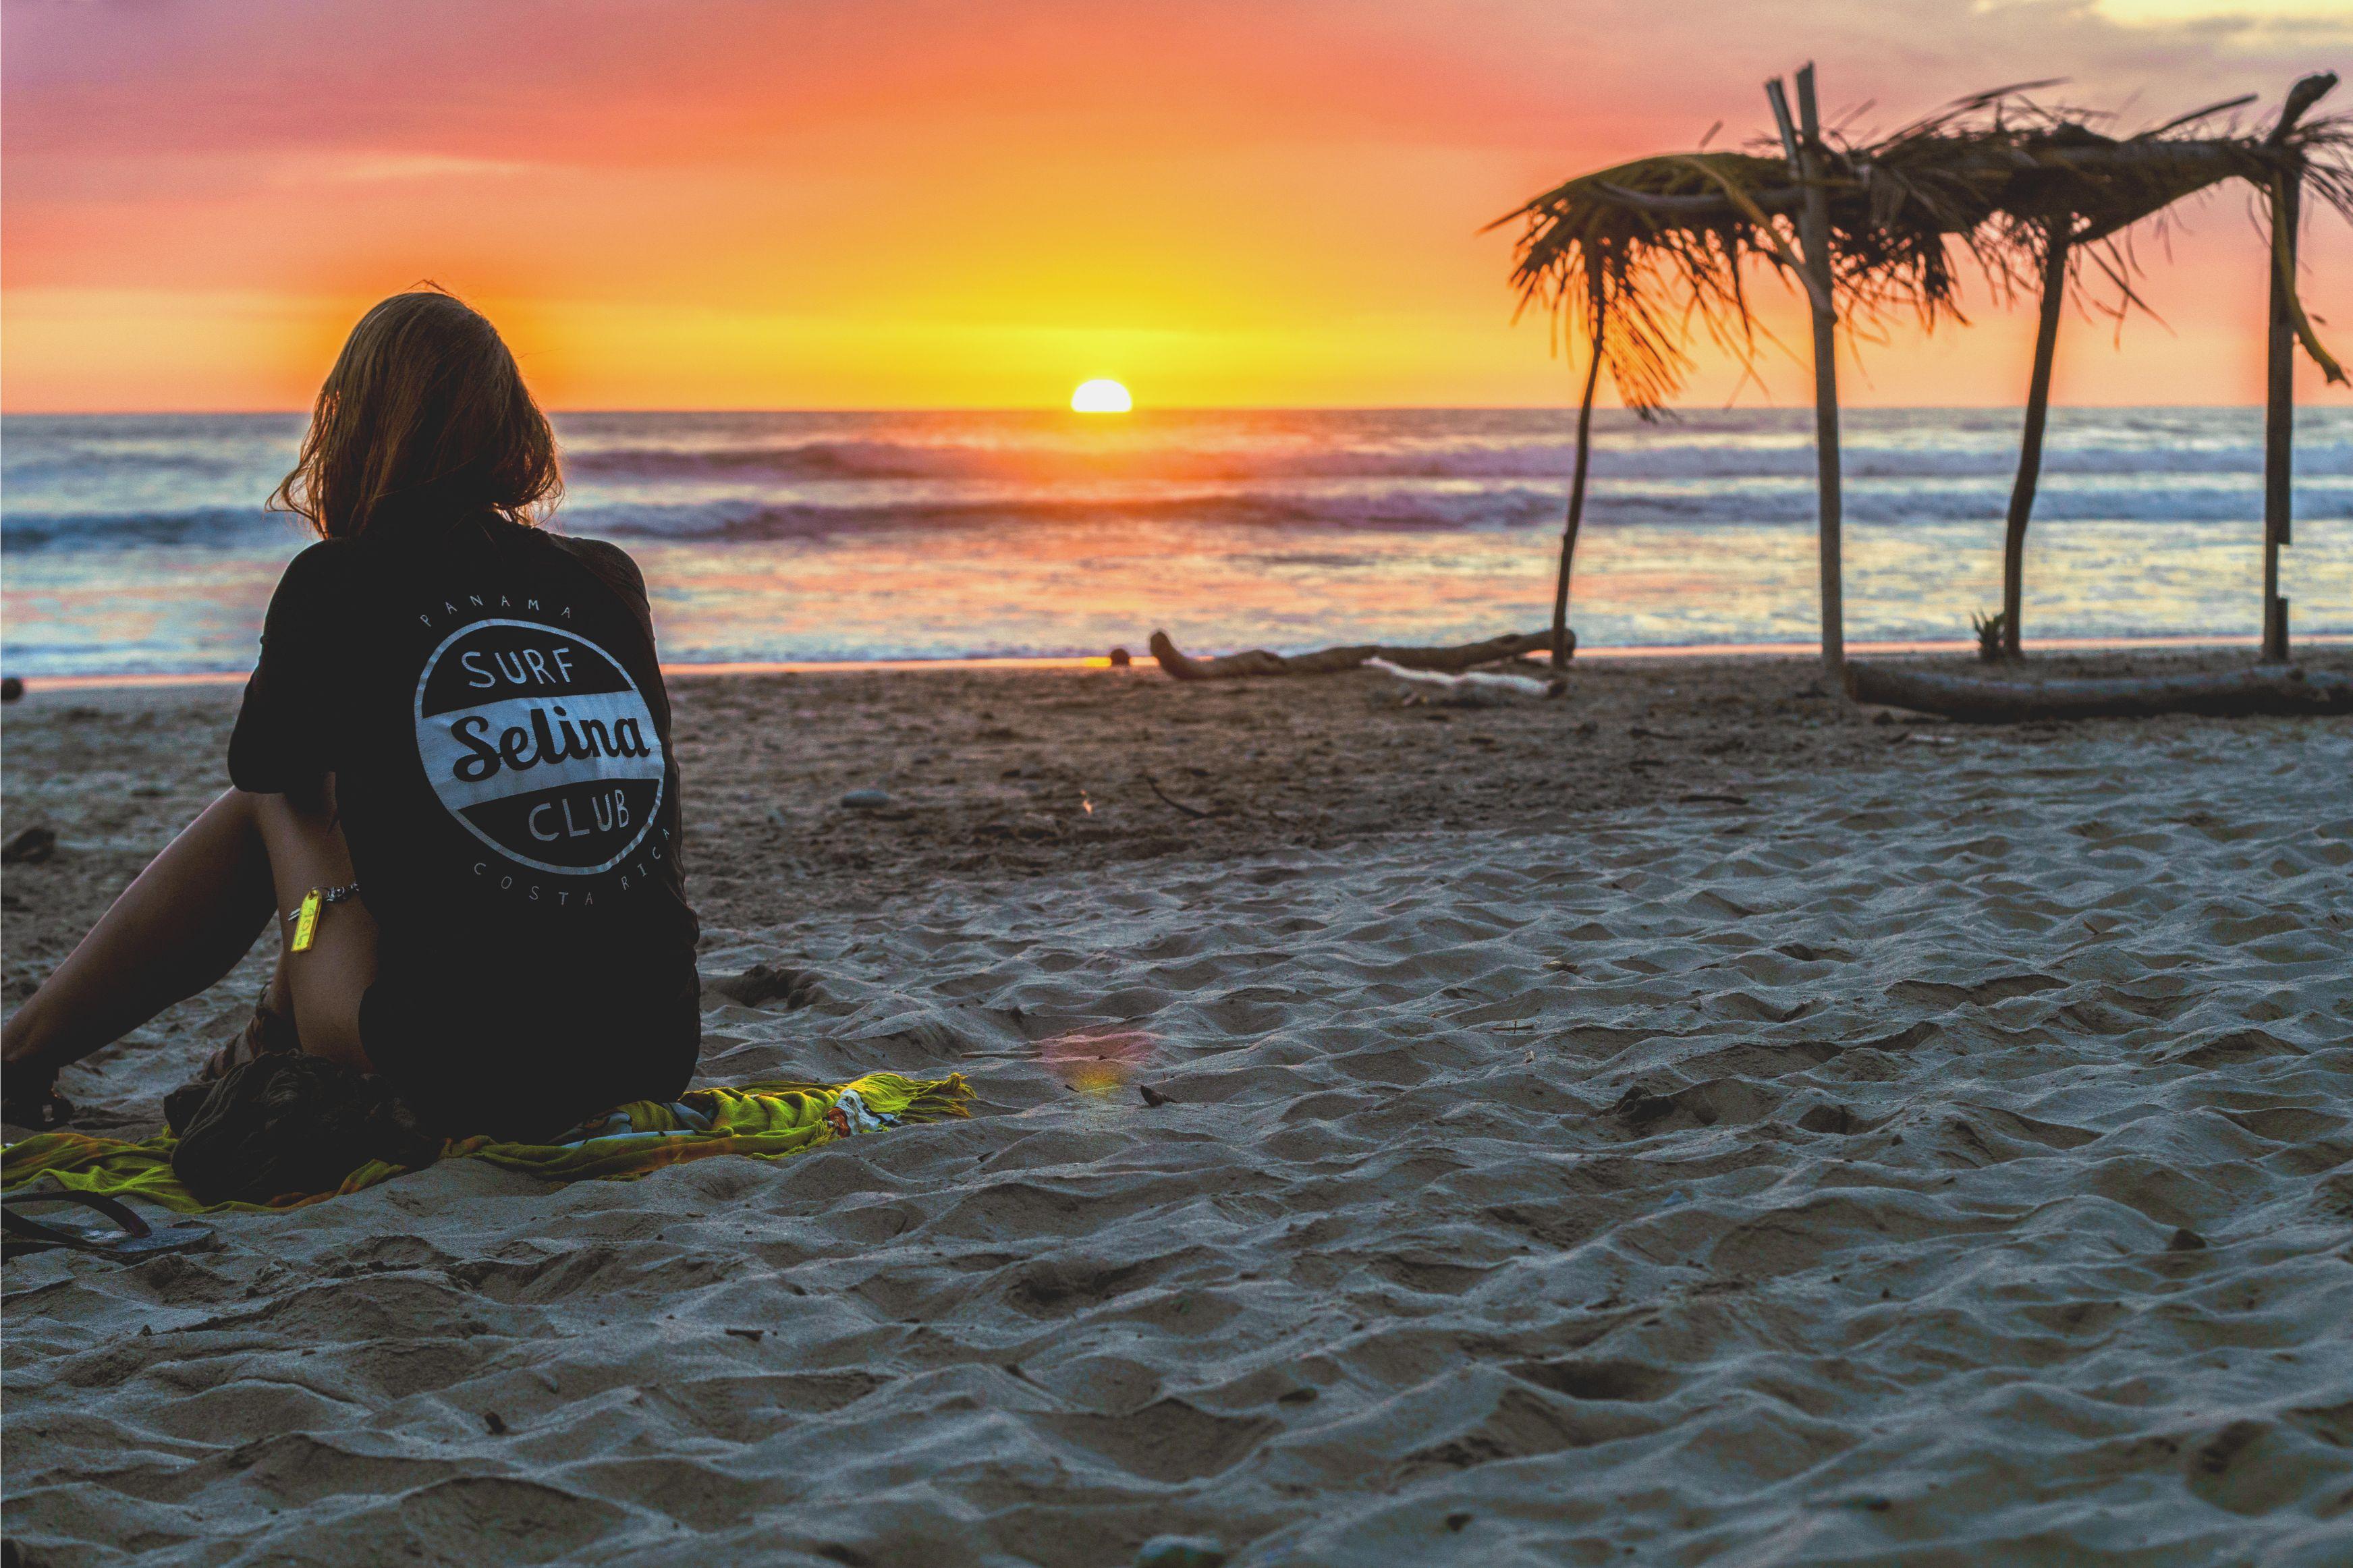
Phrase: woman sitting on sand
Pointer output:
(455, 794)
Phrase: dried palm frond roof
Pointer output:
(1637, 251)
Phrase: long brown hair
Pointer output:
(425, 406)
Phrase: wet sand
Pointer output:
(1679, 1118)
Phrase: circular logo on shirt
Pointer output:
(540, 744)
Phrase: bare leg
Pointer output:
(185, 921)
(323, 985)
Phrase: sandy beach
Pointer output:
(1679, 1122)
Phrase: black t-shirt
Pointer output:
(488, 698)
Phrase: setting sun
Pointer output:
(1101, 396)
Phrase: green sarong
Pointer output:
(763, 1120)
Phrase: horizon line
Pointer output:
(1664, 414)
(1603, 652)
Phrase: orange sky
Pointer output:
(881, 204)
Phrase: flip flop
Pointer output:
(131, 1236)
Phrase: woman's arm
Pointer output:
(280, 743)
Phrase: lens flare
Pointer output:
(1096, 1061)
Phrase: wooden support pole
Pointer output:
(1803, 142)
(1561, 646)
(2030, 448)
(2279, 412)
(2279, 403)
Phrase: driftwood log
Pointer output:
(2273, 689)
(1333, 661)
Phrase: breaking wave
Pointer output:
(1395, 507)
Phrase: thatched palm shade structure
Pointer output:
(1636, 253)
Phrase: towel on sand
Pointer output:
(763, 1120)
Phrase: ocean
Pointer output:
(138, 543)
